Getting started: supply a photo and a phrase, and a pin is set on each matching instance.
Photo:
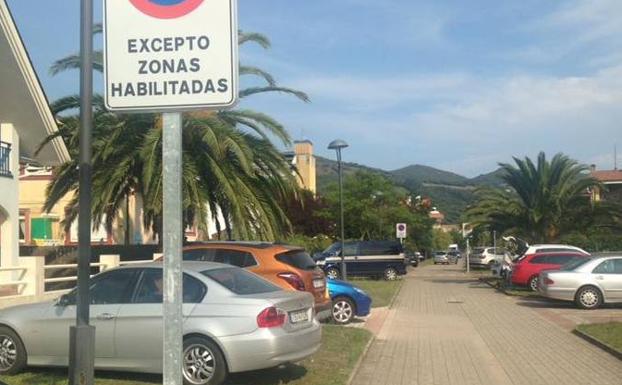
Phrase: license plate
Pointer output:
(298, 316)
(318, 283)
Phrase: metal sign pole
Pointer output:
(172, 237)
(82, 336)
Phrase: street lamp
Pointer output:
(337, 145)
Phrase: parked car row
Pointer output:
(564, 272)
(247, 306)
(234, 321)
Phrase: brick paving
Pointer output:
(447, 329)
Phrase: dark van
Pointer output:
(364, 258)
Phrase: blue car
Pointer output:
(348, 301)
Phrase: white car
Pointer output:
(486, 256)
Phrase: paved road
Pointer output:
(446, 329)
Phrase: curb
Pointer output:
(397, 292)
(356, 367)
(596, 342)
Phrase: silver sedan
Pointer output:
(587, 282)
(234, 321)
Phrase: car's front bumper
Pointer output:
(363, 305)
(267, 348)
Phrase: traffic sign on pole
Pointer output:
(170, 54)
(400, 230)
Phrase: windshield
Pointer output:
(331, 250)
(575, 264)
(298, 259)
(240, 281)
(478, 250)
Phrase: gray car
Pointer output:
(235, 321)
(587, 282)
(441, 257)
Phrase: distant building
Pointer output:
(612, 180)
(303, 164)
(438, 217)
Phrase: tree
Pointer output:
(372, 207)
(542, 201)
(230, 164)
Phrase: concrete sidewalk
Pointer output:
(447, 329)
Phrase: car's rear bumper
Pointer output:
(324, 310)
(267, 348)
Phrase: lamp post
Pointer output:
(337, 145)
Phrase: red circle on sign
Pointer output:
(159, 11)
(401, 227)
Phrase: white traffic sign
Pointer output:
(400, 230)
(163, 55)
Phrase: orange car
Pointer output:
(289, 267)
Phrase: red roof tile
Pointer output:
(608, 175)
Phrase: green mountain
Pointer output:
(418, 174)
(450, 193)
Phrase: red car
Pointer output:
(525, 272)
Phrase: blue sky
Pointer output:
(454, 84)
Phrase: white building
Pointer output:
(25, 120)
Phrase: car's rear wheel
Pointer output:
(533, 283)
(343, 310)
(12, 352)
(390, 274)
(589, 297)
(332, 273)
(203, 362)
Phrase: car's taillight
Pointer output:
(294, 280)
(548, 281)
(271, 318)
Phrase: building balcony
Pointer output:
(5, 160)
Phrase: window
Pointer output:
(380, 248)
(235, 258)
(299, 259)
(240, 281)
(539, 260)
(618, 266)
(229, 257)
(113, 287)
(205, 255)
(22, 229)
(606, 267)
(150, 289)
(350, 249)
(559, 259)
(41, 228)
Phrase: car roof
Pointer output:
(551, 245)
(243, 244)
(573, 252)
(195, 266)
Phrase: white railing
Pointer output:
(30, 281)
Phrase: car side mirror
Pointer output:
(63, 300)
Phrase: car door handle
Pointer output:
(105, 317)
(600, 277)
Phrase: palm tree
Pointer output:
(230, 165)
(542, 200)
